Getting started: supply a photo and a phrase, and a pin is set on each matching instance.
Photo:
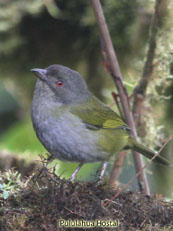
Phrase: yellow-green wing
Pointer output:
(97, 115)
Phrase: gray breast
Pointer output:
(67, 138)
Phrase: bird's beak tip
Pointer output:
(41, 73)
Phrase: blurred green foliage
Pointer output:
(20, 138)
(8, 109)
(31, 36)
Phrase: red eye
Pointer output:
(59, 83)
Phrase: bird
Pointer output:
(73, 125)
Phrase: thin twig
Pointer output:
(117, 168)
(116, 99)
(117, 78)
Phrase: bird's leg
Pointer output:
(76, 171)
(103, 170)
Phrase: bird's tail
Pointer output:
(133, 144)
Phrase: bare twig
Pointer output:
(116, 99)
(117, 167)
(117, 78)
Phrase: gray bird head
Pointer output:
(61, 84)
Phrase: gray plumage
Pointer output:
(62, 133)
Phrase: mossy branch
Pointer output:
(140, 90)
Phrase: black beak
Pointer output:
(40, 73)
